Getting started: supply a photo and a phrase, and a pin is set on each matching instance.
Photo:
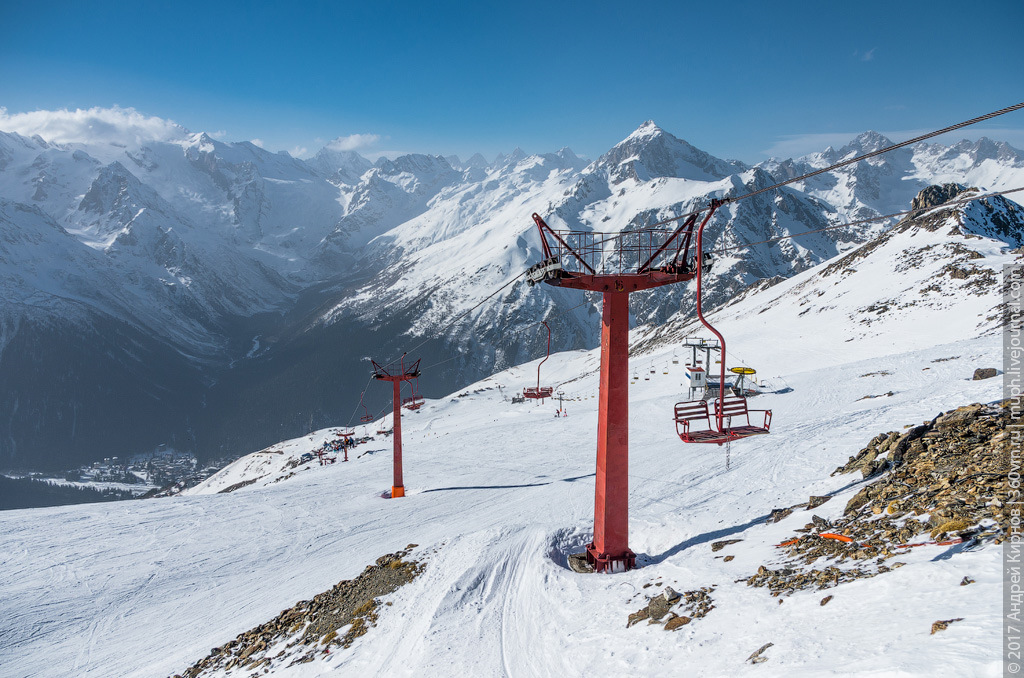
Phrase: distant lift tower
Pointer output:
(572, 259)
(396, 374)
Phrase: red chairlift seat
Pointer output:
(412, 402)
(728, 409)
(538, 392)
(735, 407)
(366, 417)
(695, 411)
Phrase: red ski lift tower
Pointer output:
(572, 259)
(346, 441)
(540, 392)
(396, 375)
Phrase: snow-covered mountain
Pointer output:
(877, 339)
(239, 290)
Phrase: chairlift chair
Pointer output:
(366, 417)
(540, 392)
(718, 424)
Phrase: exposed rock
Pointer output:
(943, 625)
(984, 373)
(677, 621)
(697, 604)
(351, 603)
(778, 514)
(637, 617)
(965, 581)
(814, 502)
(824, 601)
(756, 657)
(719, 545)
(945, 481)
(578, 563)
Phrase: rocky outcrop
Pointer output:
(939, 484)
(312, 627)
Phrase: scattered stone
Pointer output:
(697, 604)
(727, 559)
(676, 621)
(965, 581)
(824, 601)
(943, 625)
(578, 563)
(778, 514)
(815, 502)
(984, 373)
(756, 658)
(351, 603)
(637, 617)
(719, 545)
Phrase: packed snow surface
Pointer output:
(497, 496)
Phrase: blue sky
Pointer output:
(738, 79)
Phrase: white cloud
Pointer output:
(353, 142)
(257, 142)
(868, 55)
(93, 125)
(299, 152)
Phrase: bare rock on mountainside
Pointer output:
(939, 484)
(312, 627)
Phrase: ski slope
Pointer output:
(499, 494)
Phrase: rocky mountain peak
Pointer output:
(650, 152)
(866, 142)
(933, 196)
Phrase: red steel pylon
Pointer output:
(572, 261)
(396, 374)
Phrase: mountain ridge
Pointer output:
(223, 243)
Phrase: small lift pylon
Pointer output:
(346, 441)
(396, 374)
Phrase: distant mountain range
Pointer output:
(217, 297)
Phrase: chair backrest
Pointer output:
(732, 407)
(695, 409)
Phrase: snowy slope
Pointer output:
(499, 494)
